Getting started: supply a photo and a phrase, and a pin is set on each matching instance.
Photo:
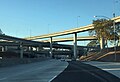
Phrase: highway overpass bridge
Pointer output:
(84, 38)
(23, 46)
(67, 32)
(29, 44)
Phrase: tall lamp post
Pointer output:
(114, 32)
(75, 42)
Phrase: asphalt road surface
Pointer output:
(80, 72)
(35, 72)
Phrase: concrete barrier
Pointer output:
(16, 61)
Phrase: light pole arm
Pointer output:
(103, 17)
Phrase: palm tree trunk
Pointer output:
(102, 43)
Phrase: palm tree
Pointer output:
(103, 29)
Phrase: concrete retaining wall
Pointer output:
(17, 61)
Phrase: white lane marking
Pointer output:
(58, 74)
(112, 69)
(52, 78)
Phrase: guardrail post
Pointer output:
(3, 48)
(38, 48)
(6, 48)
(75, 45)
(21, 50)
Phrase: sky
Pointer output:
(23, 18)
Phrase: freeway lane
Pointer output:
(80, 72)
(111, 67)
(35, 72)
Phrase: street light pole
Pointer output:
(48, 28)
(77, 20)
(75, 42)
(114, 36)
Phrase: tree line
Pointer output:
(105, 30)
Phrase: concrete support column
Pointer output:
(75, 45)
(3, 48)
(38, 49)
(30, 48)
(51, 54)
(6, 48)
(27, 48)
(21, 50)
